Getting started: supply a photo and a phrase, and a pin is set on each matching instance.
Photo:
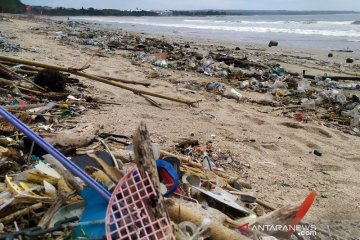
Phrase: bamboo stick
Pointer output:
(125, 81)
(93, 77)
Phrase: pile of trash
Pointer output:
(334, 97)
(187, 188)
(63, 180)
(6, 45)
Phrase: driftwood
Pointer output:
(283, 216)
(94, 77)
(79, 136)
(146, 164)
(179, 213)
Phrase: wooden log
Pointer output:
(146, 164)
(94, 77)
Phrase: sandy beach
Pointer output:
(270, 149)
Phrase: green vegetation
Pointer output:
(11, 6)
(60, 11)
(198, 13)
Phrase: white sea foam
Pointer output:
(236, 28)
(197, 20)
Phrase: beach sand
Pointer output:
(274, 157)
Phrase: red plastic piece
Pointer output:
(304, 208)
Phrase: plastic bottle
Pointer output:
(236, 95)
(244, 84)
(308, 104)
(303, 85)
(318, 78)
(341, 98)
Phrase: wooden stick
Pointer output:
(18, 76)
(23, 107)
(93, 77)
(20, 213)
(146, 164)
(282, 216)
(8, 82)
(28, 72)
(183, 159)
(45, 220)
(111, 154)
(125, 81)
(152, 102)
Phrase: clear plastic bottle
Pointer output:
(308, 104)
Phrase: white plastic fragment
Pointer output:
(49, 188)
(47, 170)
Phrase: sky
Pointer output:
(204, 4)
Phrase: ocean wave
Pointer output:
(336, 23)
(197, 20)
(255, 29)
(353, 40)
(297, 22)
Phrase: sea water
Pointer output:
(326, 32)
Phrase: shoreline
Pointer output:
(273, 156)
(287, 39)
(321, 54)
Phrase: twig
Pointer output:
(53, 209)
(111, 154)
(18, 76)
(15, 215)
(152, 101)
